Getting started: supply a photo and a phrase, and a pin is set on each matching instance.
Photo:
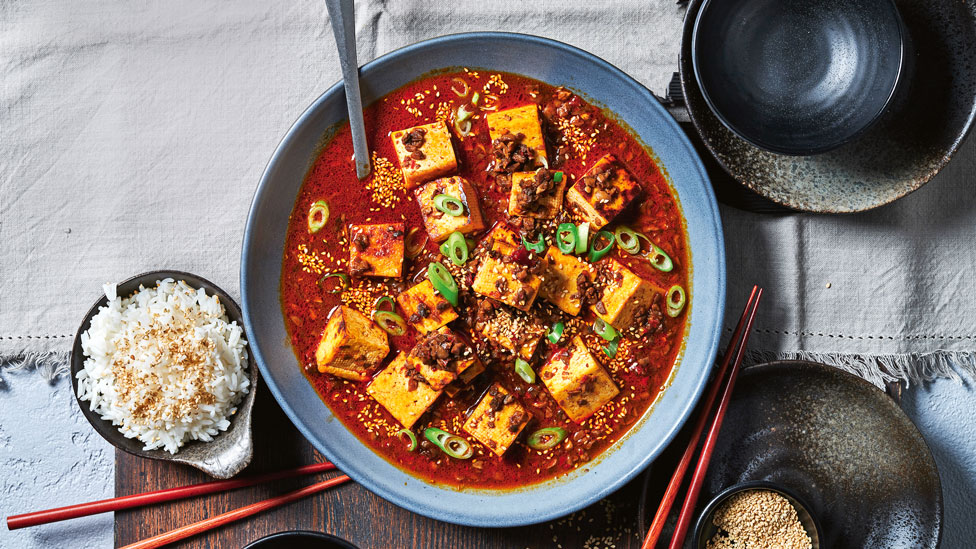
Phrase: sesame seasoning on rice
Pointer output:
(164, 365)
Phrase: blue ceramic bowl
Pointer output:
(264, 237)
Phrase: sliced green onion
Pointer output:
(627, 239)
(413, 244)
(524, 371)
(605, 330)
(463, 114)
(455, 248)
(659, 259)
(452, 445)
(676, 300)
(475, 97)
(459, 82)
(443, 282)
(343, 282)
(383, 301)
(449, 205)
(410, 436)
(538, 246)
(567, 238)
(391, 322)
(318, 214)
(463, 128)
(611, 348)
(557, 177)
(556, 332)
(596, 254)
(546, 438)
(583, 238)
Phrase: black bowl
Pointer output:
(799, 77)
(705, 529)
(300, 539)
(230, 451)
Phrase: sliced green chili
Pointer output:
(343, 282)
(455, 248)
(627, 239)
(546, 438)
(318, 214)
(611, 348)
(383, 301)
(556, 332)
(538, 246)
(676, 300)
(596, 253)
(583, 238)
(443, 282)
(605, 330)
(567, 238)
(557, 177)
(449, 205)
(391, 322)
(410, 436)
(524, 371)
(659, 259)
(452, 445)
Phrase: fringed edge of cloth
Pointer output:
(50, 365)
(910, 368)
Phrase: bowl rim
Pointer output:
(709, 347)
(306, 534)
(721, 497)
(761, 143)
(109, 432)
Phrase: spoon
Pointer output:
(343, 18)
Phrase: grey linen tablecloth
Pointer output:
(132, 135)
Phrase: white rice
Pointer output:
(164, 365)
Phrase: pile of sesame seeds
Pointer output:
(579, 139)
(386, 182)
(758, 518)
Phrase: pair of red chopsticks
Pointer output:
(724, 380)
(149, 498)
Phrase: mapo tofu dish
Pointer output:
(504, 297)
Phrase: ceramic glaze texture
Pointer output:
(798, 76)
(899, 154)
(603, 85)
(841, 444)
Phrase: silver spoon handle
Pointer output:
(343, 16)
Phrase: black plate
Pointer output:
(230, 451)
(898, 155)
(300, 539)
(837, 441)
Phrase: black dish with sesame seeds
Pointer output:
(508, 287)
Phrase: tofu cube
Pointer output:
(537, 194)
(503, 232)
(605, 190)
(465, 378)
(425, 309)
(351, 345)
(424, 152)
(522, 121)
(376, 250)
(439, 224)
(402, 391)
(441, 357)
(627, 300)
(516, 331)
(502, 278)
(495, 423)
(560, 280)
(577, 381)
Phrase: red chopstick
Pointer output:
(691, 498)
(137, 500)
(219, 520)
(657, 526)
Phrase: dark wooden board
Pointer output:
(348, 511)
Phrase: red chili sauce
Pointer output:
(577, 135)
